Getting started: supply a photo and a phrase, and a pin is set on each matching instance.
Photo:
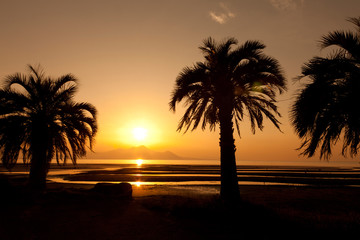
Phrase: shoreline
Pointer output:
(182, 212)
(192, 175)
(179, 212)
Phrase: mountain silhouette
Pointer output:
(135, 153)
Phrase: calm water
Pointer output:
(310, 163)
(206, 172)
(202, 172)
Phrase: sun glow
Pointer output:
(140, 133)
(139, 162)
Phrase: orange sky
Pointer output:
(127, 55)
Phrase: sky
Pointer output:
(127, 55)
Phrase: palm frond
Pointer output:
(356, 22)
(227, 78)
(345, 40)
(66, 126)
(323, 110)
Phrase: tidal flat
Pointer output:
(73, 210)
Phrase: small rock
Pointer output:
(120, 189)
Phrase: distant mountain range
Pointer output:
(135, 153)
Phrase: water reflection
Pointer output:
(143, 172)
(139, 162)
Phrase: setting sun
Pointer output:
(139, 162)
(140, 133)
(137, 132)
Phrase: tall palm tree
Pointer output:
(227, 86)
(40, 121)
(326, 107)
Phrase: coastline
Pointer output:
(182, 211)
(196, 175)
(74, 211)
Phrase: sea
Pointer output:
(310, 163)
(141, 172)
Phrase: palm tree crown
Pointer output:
(227, 86)
(326, 107)
(40, 121)
(244, 80)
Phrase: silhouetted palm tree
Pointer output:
(227, 86)
(327, 106)
(40, 121)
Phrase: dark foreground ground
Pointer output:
(168, 212)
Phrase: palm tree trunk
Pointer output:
(38, 172)
(229, 191)
(39, 165)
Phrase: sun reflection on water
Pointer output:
(139, 162)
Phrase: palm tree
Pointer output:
(40, 121)
(325, 109)
(227, 86)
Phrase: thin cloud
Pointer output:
(285, 5)
(223, 15)
(222, 18)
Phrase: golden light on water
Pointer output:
(138, 184)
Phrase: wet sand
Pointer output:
(210, 175)
(74, 211)
(169, 212)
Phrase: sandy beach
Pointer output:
(75, 211)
